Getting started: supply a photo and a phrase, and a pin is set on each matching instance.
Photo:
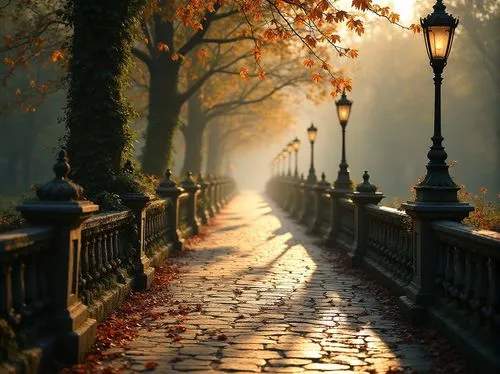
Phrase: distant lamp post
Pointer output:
(438, 29)
(296, 146)
(289, 149)
(283, 155)
(343, 181)
(312, 132)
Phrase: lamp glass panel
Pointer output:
(439, 38)
(312, 135)
(289, 147)
(296, 144)
(344, 111)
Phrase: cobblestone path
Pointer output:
(274, 300)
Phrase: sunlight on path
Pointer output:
(273, 300)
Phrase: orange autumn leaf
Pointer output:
(244, 73)
(151, 365)
(56, 56)
(162, 47)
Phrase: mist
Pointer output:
(391, 122)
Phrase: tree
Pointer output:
(225, 96)
(97, 114)
(312, 23)
(247, 128)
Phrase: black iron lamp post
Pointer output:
(312, 132)
(343, 181)
(289, 149)
(296, 146)
(438, 29)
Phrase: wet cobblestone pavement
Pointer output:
(274, 300)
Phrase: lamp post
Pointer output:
(438, 29)
(312, 132)
(289, 149)
(437, 194)
(296, 146)
(343, 181)
(283, 156)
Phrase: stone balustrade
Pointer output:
(446, 274)
(74, 265)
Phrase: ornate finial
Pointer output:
(61, 168)
(128, 167)
(168, 182)
(60, 188)
(189, 181)
(200, 178)
(439, 6)
(366, 186)
(323, 181)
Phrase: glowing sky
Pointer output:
(404, 8)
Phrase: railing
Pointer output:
(25, 283)
(468, 272)
(184, 214)
(389, 243)
(443, 271)
(60, 278)
(325, 212)
(104, 253)
(156, 225)
(346, 232)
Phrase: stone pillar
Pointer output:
(61, 204)
(335, 196)
(204, 199)
(217, 191)
(168, 189)
(366, 193)
(299, 197)
(193, 189)
(307, 197)
(144, 273)
(211, 196)
(319, 190)
(421, 291)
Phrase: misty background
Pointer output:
(388, 133)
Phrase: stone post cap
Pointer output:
(323, 183)
(189, 184)
(168, 187)
(61, 188)
(60, 201)
(366, 192)
(366, 186)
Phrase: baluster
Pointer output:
(116, 245)
(84, 267)
(489, 310)
(464, 296)
(42, 276)
(19, 290)
(480, 287)
(7, 298)
(32, 292)
(441, 268)
(448, 278)
(456, 284)
(99, 268)
(104, 251)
